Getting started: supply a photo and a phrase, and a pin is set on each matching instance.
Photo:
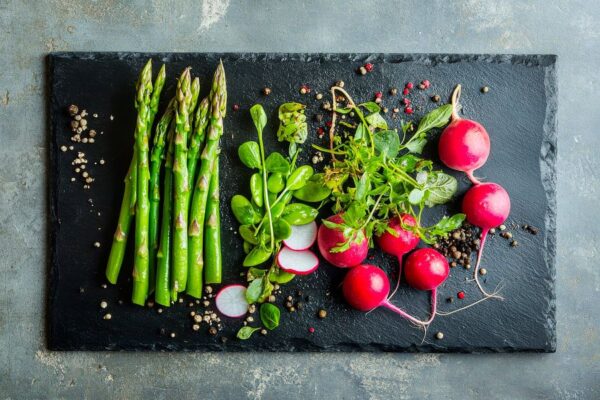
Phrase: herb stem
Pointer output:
(372, 212)
(404, 175)
(265, 190)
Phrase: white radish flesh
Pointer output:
(302, 237)
(299, 262)
(231, 301)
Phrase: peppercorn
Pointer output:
(439, 336)
(405, 92)
(212, 331)
(485, 89)
(266, 91)
(73, 110)
(409, 85)
(425, 83)
(340, 84)
(362, 70)
(322, 314)
(369, 67)
(378, 95)
(289, 304)
(408, 110)
(482, 271)
(461, 295)
(311, 330)
(436, 98)
(235, 107)
(405, 101)
(263, 332)
(449, 300)
(514, 243)
(393, 91)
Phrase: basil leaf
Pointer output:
(269, 315)
(254, 290)
(247, 233)
(299, 177)
(279, 276)
(416, 145)
(245, 332)
(387, 143)
(257, 256)
(275, 183)
(371, 106)
(315, 189)
(242, 209)
(275, 162)
(376, 120)
(441, 188)
(436, 118)
(249, 154)
(256, 189)
(447, 225)
(299, 214)
(258, 117)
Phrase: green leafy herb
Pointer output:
(246, 332)
(277, 163)
(292, 123)
(269, 315)
(441, 188)
(249, 154)
(387, 143)
(254, 290)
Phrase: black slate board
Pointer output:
(518, 112)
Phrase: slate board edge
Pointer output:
(548, 155)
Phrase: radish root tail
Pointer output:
(472, 178)
(412, 319)
(455, 105)
(484, 233)
(399, 277)
(443, 313)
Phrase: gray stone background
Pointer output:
(30, 29)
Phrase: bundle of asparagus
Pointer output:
(172, 255)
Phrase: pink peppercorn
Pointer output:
(426, 83)
(311, 329)
(405, 101)
(369, 67)
(408, 110)
(409, 85)
(320, 131)
(405, 92)
(236, 107)
(461, 295)
(378, 95)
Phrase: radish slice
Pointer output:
(231, 301)
(299, 262)
(302, 237)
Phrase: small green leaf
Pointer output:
(314, 191)
(371, 106)
(436, 118)
(282, 229)
(256, 189)
(299, 214)
(257, 256)
(415, 196)
(267, 289)
(249, 154)
(254, 290)
(441, 188)
(247, 233)
(387, 143)
(242, 209)
(361, 132)
(246, 332)
(275, 162)
(276, 182)
(344, 110)
(362, 187)
(258, 117)
(270, 315)
(376, 120)
(254, 273)
(279, 276)
(416, 145)
(299, 177)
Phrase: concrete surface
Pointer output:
(29, 29)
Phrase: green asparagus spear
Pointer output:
(181, 183)
(200, 197)
(156, 159)
(117, 251)
(163, 256)
(141, 261)
(212, 231)
(197, 138)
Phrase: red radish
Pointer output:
(302, 237)
(367, 287)
(297, 262)
(330, 238)
(486, 205)
(231, 301)
(464, 144)
(404, 241)
(426, 269)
